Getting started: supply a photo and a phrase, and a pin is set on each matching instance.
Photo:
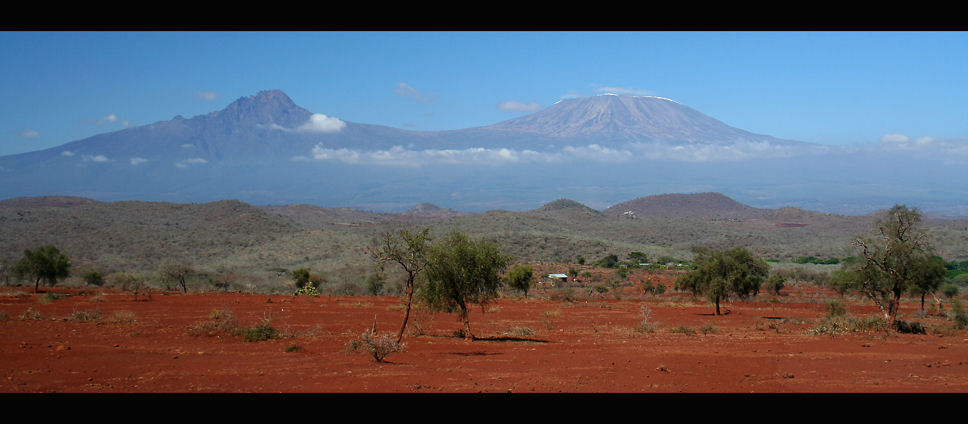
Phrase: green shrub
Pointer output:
(260, 332)
(93, 278)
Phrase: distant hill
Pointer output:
(698, 205)
(42, 201)
(568, 205)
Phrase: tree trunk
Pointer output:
(717, 307)
(894, 308)
(406, 315)
(922, 303)
(467, 324)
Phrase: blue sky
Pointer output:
(835, 88)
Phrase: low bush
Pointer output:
(682, 329)
(379, 346)
(84, 316)
(260, 332)
(845, 323)
(519, 332)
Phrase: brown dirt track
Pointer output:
(588, 346)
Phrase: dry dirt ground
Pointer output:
(102, 341)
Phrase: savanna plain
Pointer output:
(241, 325)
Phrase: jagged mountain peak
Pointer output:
(267, 107)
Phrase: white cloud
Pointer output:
(108, 118)
(894, 138)
(96, 158)
(193, 161)
(67, 153)
(516, 106)
(206, 95)
(111, 119)
(322, 123)
(400, 156)
(30, 133)
(406, 90)
(137, 161)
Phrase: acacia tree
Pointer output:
(409, 250)
(894, 259)
(461, 271)
(45, 263)
(174, 272)
(720, 274)
(520, 277)
(927, 277)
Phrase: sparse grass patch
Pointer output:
(84, 316)
(566, 295)
(519, 332)
(683, 329)
(294, 348)
(220, 322)
(121, 317)
(708, 328)
(48, 298)
(839, 324)
(548, 318)
(30, 315)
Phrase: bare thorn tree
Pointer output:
(409, 250)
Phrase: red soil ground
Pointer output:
(575, 347)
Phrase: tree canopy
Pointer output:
(520, 277)
(719, 274)
(45, 263)
(174, 272)
(461, 271)
(894, 259)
